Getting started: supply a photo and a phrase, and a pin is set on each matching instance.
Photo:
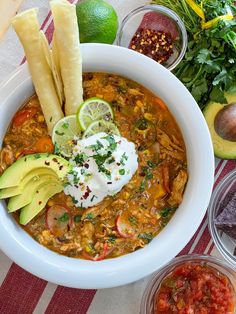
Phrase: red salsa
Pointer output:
(195, 288)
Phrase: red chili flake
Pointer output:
(157, 45)
(87, 192)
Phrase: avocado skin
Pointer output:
(13, 175)
(223, 149)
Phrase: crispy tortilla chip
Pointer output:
(27, 28)
(57, 71)
(67, 40)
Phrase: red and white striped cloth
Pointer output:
(23, 293)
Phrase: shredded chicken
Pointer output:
(178, 186)
(6, 158)
(166, 142)
(135, 92)
(87, 232)
(97, 210)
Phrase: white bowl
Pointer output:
(71, 272)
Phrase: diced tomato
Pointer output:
(123, 227)
(97, 257)
(23, 115)
(58, 219)
(44, 145)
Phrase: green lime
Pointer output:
(98, 21)
(93, 109)
(101, 126)
(63, 134)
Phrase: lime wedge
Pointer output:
(63, 134)
(93, 109)
(101, 126)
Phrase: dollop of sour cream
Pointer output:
(103, 164)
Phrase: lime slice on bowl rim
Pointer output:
(101, 126)
(63, 134)
(93, 109)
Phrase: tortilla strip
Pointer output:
(67, 40)
(56, 71)
(27, 28)
(8, 9)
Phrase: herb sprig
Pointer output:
(208, 69)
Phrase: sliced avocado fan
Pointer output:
(31, 181)
(17, 171)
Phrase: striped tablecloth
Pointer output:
(23, 293)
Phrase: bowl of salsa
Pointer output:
(191, 284)
(155, 31)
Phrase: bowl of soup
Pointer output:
(151, 209)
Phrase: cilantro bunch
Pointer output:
(208, 69)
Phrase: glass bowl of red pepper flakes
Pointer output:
(156, 32)
(197, 284)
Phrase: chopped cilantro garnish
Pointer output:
(146, 236)
(112, 143)
(149, 176)
(56, 149)
(143, 185)
(80, 159)
(145, 170)
(37, 156)
(122, 172)
(63, 218)
(123, 158)
(133, 220)
(89, 216)
(151, 164)
(77, 218)
(96, 146)
(165, 212)
(105, 171)
(74, 200)
(112, 239)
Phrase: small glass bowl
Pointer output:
(132, 21)
(148, 299)
(224, 243)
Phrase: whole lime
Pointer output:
(97, 20)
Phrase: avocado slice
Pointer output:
(36, 183)
(31, 177)
(223, 148)
(17, 171)
(39, 201)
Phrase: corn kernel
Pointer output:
(158, 216)
(40, 118)
(50, 203)
(139, 103)
(146, 152)
(136, 109)
(126, 195)
(148, 116)
(88, 249)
